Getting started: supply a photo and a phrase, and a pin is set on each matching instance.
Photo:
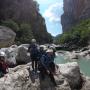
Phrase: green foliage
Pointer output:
(11, 24)
(26, 33)
(15, 12)
(78, 35)
(23, 32)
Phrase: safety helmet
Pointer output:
(49, 51)
(33, 40)
(44, 47)
(2, 54)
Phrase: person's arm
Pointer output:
(42, 62)
(29, 48)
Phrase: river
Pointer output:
(83, 63)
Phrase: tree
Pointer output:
(79, 35)
(26, 33)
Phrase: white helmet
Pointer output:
(49, 50)
(44, 47)
(33, 41)
(2, 54)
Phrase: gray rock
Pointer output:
(11, 53)
(22, 78)
(16, 54)
(86, 83)
(72, 72)
(22, 55)
(7, 36)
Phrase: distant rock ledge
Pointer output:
(21, 78)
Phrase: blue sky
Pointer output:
(51, 10)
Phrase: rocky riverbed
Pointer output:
(68, 77)
(75, 55)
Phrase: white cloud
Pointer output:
(53, 12)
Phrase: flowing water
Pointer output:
(83, 63)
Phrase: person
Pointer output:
(47, 66)
(3, 64)
(54, 50)
(42, 50)
(34, 54)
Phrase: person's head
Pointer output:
(49, 52)
(33, 41)
(43, 48)
(2, 56)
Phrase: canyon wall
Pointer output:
(74, 11)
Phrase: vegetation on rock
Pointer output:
(78, 36)
(15, 13)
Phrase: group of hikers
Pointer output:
(42, 60)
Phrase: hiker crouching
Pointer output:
(47, 66)
(3, 64)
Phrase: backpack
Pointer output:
(33, 49)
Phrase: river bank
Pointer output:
(76, 54)
(20, 77)
(82, 57)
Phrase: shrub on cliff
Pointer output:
(78, 35)
(23, 32)
(11, 24)
(24, 11)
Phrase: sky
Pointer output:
(52, 10)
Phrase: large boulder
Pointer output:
(72, 72)
(22, 55)
(11, 53)
(16, 54)
(7, 36)
(22, 78)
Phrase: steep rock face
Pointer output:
(22, 11)
(74, 11)
(7, 36)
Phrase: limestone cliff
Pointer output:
(25, 11)
(74, 11)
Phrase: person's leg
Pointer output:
(42, 72)
(36, 65)
(33, 65)
(52, 78)
(52, 67)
